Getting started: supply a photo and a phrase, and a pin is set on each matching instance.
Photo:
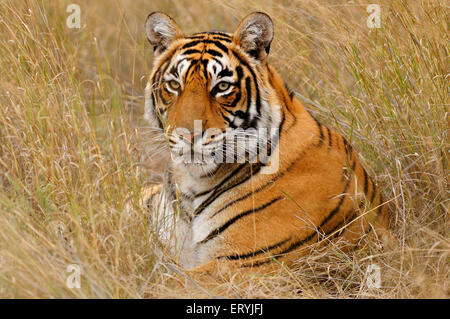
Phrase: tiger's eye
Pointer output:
(222, 86)
(174, 85)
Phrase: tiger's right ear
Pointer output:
(161, 31)
(254, 34)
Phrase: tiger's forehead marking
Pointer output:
(203, 52)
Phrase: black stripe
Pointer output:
(217, 37)
(174, 69)
(216, 43)
(289, 90)
(257, 251)
(297, 244)
(320, 130)
(228, 95)
(225, 72)
(222, 228)
(258, 263)
(220, 38)
(329, 138)
(381, 204)
(194, 62)
(224, 34)
(247, 195)
(374, 191)
(205, 68)
(160, 93)
(214, 52)
(345, 145)
(366, 183)
(338, 207)
(191, 51)
(348, 148)
(248, 88)
(223, 181)
(219, 190)
(191, 44)
(158, 114)
(339, 225)
(196, 37)
(206, 33)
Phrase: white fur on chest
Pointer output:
(182, 235)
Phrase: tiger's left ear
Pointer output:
(254, 34)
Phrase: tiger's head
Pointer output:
(209, 84)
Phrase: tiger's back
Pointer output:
(235, 215)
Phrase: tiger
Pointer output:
(234, 215)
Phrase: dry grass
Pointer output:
(71, 106)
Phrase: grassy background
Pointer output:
(72, 147)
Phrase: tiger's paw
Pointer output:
(148, 198)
